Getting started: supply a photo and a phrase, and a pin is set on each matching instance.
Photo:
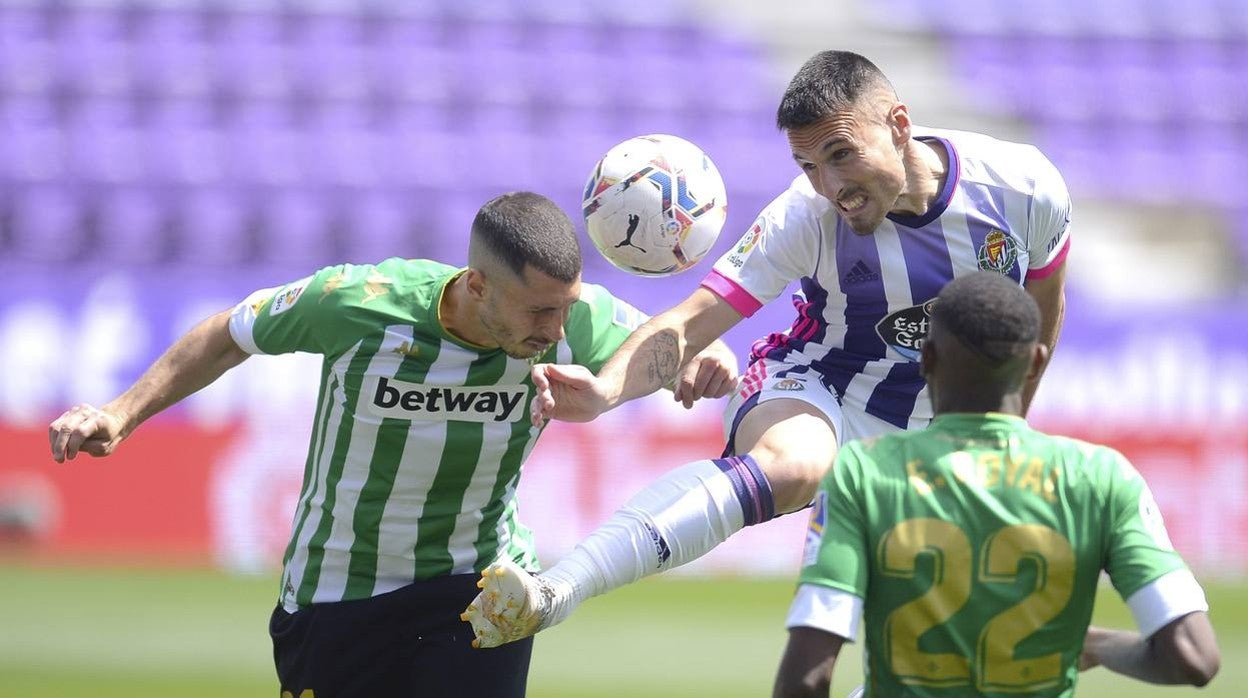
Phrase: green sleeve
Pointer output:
(1139, 548)
(836, 552)
(318, 314)
(598, 324)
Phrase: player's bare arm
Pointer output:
(806, 667)
(1050, 294)
(711, 373)
(651, 358)
(1183, 652)
(194, 361)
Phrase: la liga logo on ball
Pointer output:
(654, 205)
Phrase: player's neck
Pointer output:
(927, 166)
(978, 403)
(459, 314)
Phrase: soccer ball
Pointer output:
(654, 205)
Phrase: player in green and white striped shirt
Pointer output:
(421, 430)
(971, 550)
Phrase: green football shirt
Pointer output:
(419, 437)
(973, 549)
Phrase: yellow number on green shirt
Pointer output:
(995, 664)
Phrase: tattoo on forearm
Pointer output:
(662, 358)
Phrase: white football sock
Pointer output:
(673, 520)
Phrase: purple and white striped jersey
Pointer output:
(865, 300)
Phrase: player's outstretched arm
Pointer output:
(651, 358)
(807, 664)
(1183, 652)
(197, 359)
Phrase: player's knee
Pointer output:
(794, 480)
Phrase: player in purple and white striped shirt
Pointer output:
(884, 216)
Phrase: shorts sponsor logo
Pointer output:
(904, 330)
(789, 384)
(288, 296)
(814, 529)
(397, 399)
(998, 252)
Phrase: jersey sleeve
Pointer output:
(598, 324)
(310, 314)
(1142, 563)
(836, 562)
(1048, 236)
(780, 247)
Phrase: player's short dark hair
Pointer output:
(990, 314)
(525, 229)
(830, 82)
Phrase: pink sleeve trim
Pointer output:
(731, 291)
(1046, 270)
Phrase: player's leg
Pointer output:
(787, 441)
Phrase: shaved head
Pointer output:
(829, 83)
(982, 345)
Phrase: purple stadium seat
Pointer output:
(571, 78)
(415, 72)
(186, 146)
(1082, 153)
(266, 146)
(93, 51)
(171, 55)
(296, 228)
(131, 227)
(1213, 160)
(378, 226)
(213, 227)
(33, 145)
(495, 76)
(27, 52)
(577, 14)
(330, 59)
(250, 59)
(419, 156)
(106, 142)
(343, 148)
(47, 225)
(483, 35)
(560, 37)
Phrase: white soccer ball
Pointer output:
(654, 205)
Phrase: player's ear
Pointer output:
(476, 283)
(927, 358)
(899, 123)
(1039, 357)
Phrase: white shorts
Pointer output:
(768, 379)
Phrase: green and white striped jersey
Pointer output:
(419, 437)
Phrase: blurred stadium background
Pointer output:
(159, 160)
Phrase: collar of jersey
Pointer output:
(958, 421)
(946, 193)
(437, 316)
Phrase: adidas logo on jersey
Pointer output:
(414, 401)
(860, 273)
